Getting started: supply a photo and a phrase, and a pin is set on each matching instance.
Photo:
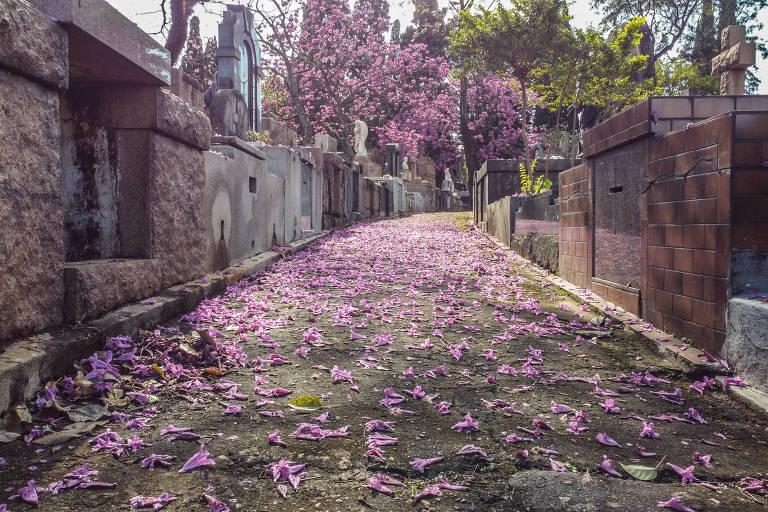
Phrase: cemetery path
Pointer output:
(451, 378)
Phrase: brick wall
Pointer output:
(575, 226)
(686, 215)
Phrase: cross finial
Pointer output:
(736, 55)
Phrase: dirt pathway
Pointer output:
(423, 340)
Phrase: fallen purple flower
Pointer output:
(686, 474)
(608, 467)
(471, 449)
(274, 438)
(201, 458)
(216, 505)
(468, 425)
(603, 438)
(163, 460)
(155, 503)
(421, 464)
(675, 504)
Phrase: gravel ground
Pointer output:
(349, 319)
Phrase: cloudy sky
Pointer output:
(146, 15)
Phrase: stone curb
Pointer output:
(27, 364)
(750, 395)
(693, 360)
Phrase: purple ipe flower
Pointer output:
(379, 426)
(379, 482)
(285, 470)
(468, 425)
(201, 458)
(675, 504)
(214, 504)
(560, 408)
(686, 474)
(231, 409)
(135, 443)
(155, 503)
(471, 449)
(150, 461)
(648, 431)
(608, 467)
(603, 438)
(29, 493)
(704, 460)
(274, 438)
(421, 464)
(694, 415)
(610, 406)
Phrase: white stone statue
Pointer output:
(361, 133)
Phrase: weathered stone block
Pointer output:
(325, 142)
(732, 35)
(746, 341)
(31, 249)
(229, 114)
(95, 287)
(155, 109)
(31, 44)
(740, 56)
(177, 209)
(187, 88)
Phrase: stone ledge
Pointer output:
(238, 143)
(105, 24)
(27, 364)
(92, 288)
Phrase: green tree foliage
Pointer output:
(199, 62)
(518, 40)
(428, 27)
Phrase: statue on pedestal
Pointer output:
(361, 133)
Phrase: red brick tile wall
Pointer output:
(750, 182)
(686, 222)
(576, 226)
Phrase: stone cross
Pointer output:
(361, 133)
(736, 55)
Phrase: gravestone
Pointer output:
(393, 165)
(235, 95)
(736, 55)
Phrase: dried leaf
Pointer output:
(7, 437)
(188, 350)
(640, 472)
(23, 414)
(67, 433)
(115, 398)
(91, 412)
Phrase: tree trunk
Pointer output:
(293, 90)
(526, 147)
(181, 10)
(470, 149)
(574, 125)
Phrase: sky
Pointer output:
(146, 15)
